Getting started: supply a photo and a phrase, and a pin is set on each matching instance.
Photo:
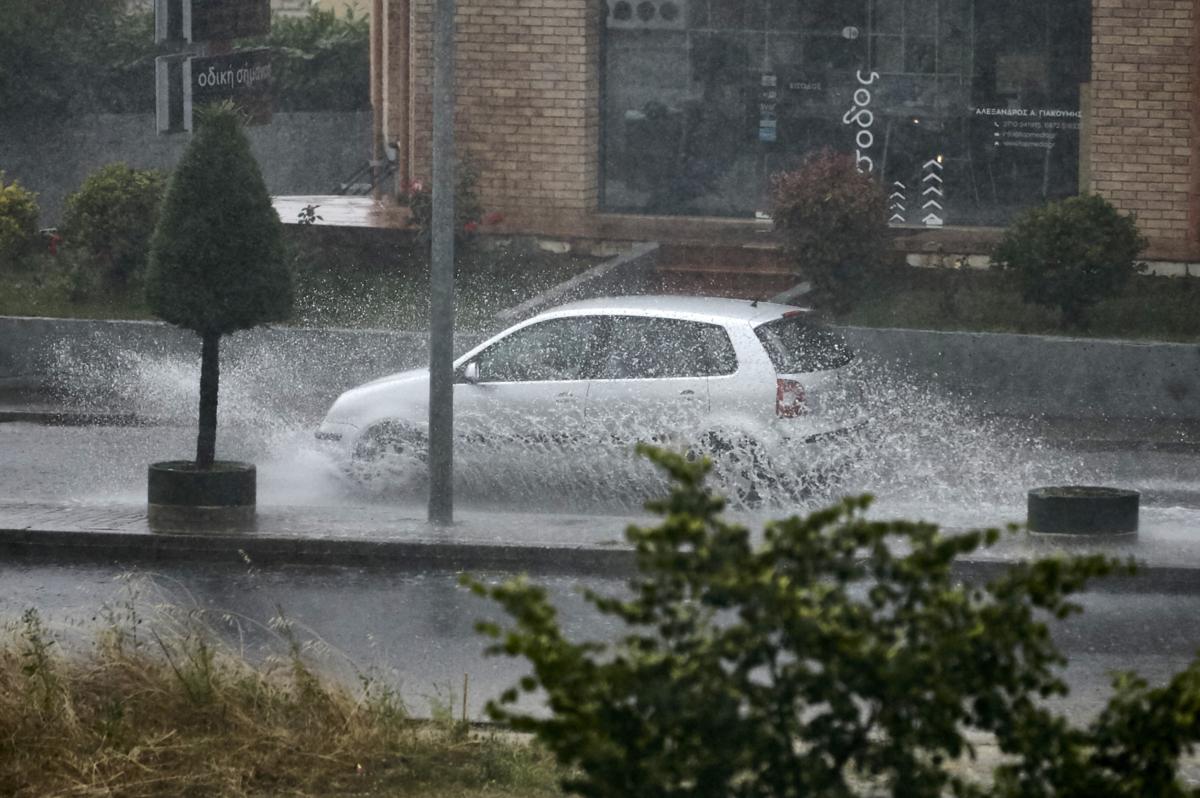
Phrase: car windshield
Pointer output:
(796, 345)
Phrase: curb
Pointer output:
(230, 548)
(84, 547)
(78, 418)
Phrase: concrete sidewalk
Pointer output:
(391, 536)
(400, 538)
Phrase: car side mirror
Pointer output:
(471, 372)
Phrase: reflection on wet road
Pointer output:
(416, 631)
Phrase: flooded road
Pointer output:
(966, 475)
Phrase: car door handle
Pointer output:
(688, 392)
(565, 397)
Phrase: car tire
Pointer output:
(740, 466)
(821, 482)
(390, 453)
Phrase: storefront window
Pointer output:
(967, 111)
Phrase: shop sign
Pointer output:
(210, 20)
(243, 78)
(222, 20)
(768, 108)
(861, 116)
(1033, 128)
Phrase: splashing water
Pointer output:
(924, 454)
(266, 415)
(928, 455)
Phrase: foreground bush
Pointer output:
(158, 706)
(110, 220)
(1071, 254)
(18, 222)
(839, 657)
(834, 222)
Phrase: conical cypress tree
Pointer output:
(216, 257)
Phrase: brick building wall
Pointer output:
(528, 103)
(529, 109)
(1143, 148)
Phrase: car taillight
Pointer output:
(789, 399)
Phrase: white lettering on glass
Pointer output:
(862, 116)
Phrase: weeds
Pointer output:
(37, 663)
(159, 704)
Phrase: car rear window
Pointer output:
(797, 345)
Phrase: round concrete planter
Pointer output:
(1083, 513)
(183, 497)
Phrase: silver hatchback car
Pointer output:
(731, 379)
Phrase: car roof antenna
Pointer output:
(754, 303)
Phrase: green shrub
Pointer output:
(86, 56)
(111, 218)
(834, 222)
(18, 222)
(1071, 254)
(320, 61)
(217, 261)
(840, 656)
(65, 56)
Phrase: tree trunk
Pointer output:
(210, 375)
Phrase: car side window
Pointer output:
(553, 350)
(649, 348)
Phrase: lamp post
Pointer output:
(441, 278)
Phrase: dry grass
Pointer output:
(164, 708)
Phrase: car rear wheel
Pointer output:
(741, 468)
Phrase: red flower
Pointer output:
(471, 227)
(411, 187)
(495, 217)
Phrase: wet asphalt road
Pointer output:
(955, 474)
(416, 631)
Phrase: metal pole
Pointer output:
(441, 278)
(400, 73)
(377, 25)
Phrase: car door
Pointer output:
(531, 386)
(651, 380)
